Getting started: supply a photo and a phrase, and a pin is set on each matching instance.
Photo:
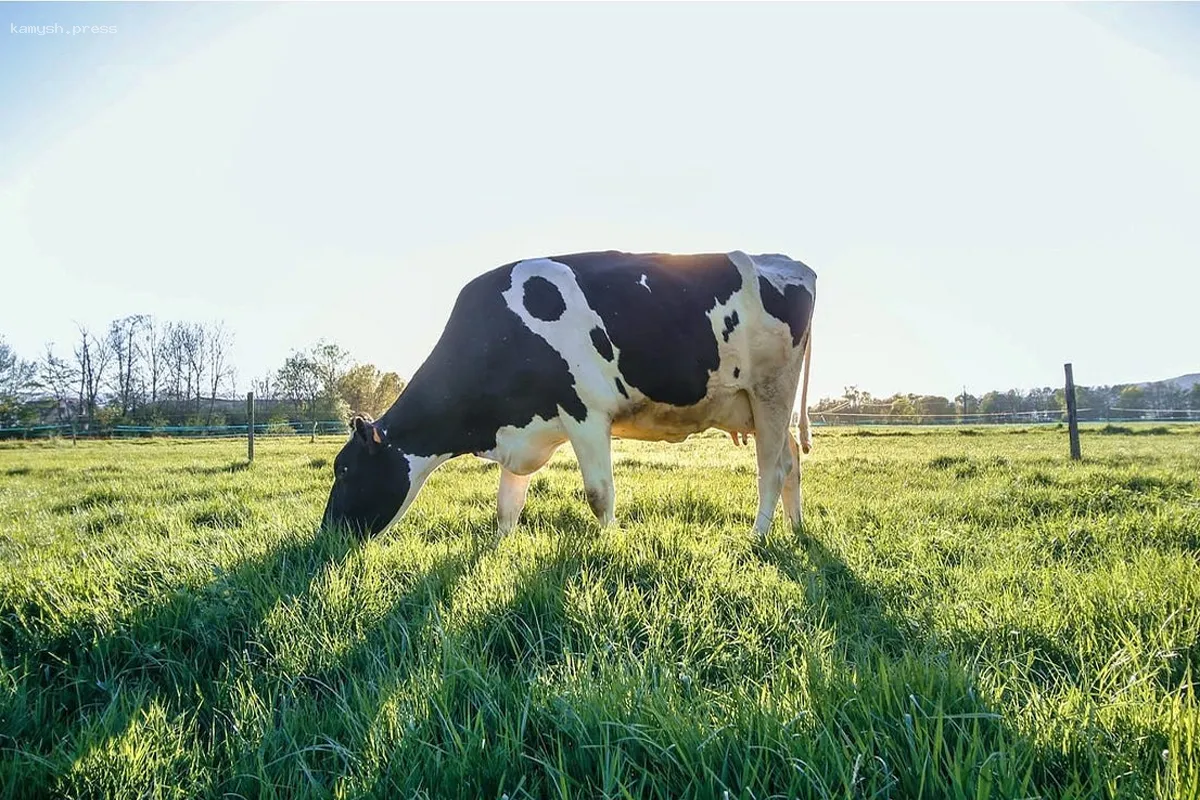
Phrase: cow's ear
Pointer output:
(364, 428)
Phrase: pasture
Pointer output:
(967, 614)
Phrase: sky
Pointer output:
(985, 190)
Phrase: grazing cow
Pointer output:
(586, 347)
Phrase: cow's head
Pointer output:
(371, 481)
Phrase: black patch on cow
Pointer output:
(666, 342)
(793, 306)
(487, 370)
(737, 371)
(731, 322)
(543, 299)
(621, 388)
(601, 343)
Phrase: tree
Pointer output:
(1194, 397)
(1092, 402)
(92, 357)
(1131, 397)
(368, 391)
(1000, 402)
(329, 361)
(299, 381)
(16, 379)
(265, 388)
(219, 368)
(172, 355)
(1172, 397)
(935, 408)
(311, 380)
(57, 377)
(195, 349)
(153, 355)
(902, 407)
(123, 341)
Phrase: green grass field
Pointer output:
(967, 614)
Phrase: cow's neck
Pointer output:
(419, 424)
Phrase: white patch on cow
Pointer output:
(510, 499)
(781, 271)
(525, 450)
(643, 282)
(570, 334)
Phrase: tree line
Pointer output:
(1092, 403)
(148, 372)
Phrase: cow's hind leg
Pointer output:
(592, 442)
(772, 412)
(510, 499)
(792, 490)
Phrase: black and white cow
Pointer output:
(586, 347)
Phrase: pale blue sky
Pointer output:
(984, 190)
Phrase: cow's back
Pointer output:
(656, 309)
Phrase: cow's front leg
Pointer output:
(510, 500)
(592, 442)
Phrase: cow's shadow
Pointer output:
(905, 683)
(176, 653)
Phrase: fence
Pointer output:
(1006, 417)
(331, 427)
(66, 430)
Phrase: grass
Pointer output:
(963, 616)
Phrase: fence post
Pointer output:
(250, 426)
(1072, 417)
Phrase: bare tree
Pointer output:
(92, 357)
(220, 371)
(195, 344)
(175, 372)
(57, 377)
(153, 355)
(124, 344)
(264, 388)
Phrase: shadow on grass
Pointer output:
(85, 690)
(917, 693)
(470, 693)
(456, 684)
(178, 651)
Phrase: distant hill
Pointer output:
(1185, 382)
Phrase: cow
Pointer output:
(584, 348)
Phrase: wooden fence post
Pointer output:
(250, 426)
(1072, 417)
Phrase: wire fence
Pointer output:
(328, 427)
(332, 427)
(1042, 417)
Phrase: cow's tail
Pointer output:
(805, 430)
